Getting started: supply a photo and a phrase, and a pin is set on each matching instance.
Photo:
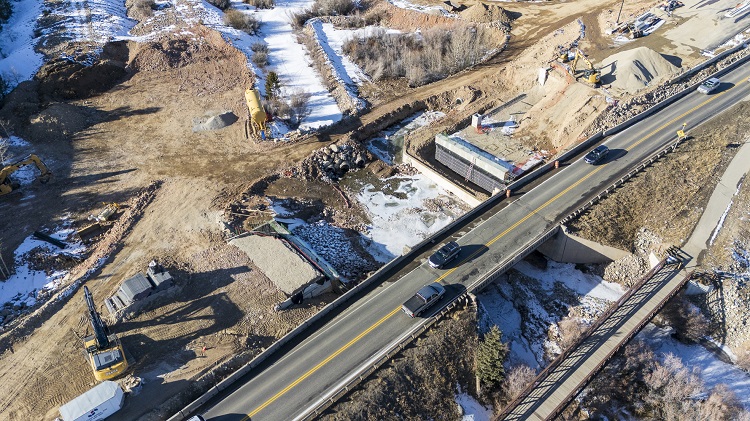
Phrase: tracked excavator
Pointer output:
(7, 184)
(591, 74)
(103, 349)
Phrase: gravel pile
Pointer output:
(632, 70)
(623, 110)
(212, 121)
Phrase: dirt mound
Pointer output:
(58, 121)
(483, 13)
(632, 70)
(176, 53)
(65, 79)
(214, 121)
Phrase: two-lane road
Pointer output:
(346, 345)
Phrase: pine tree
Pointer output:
(491, 355)
(272, 85)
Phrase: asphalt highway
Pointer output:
(347, 344)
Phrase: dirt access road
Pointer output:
(140, 131)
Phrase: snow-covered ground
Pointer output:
(24, 287)
(711, 369)
(387, 145)
(527, 333)
(398, 214)
(472, 410)
(288, 58)
(18, 60)
(435, 10)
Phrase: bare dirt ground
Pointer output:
(140, 131)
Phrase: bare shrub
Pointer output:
(260, 59)
(242, 21)
(322, 8)
(258, 47)
(4, 145)
(298, 19)
(221, 4)
(299, 105)
(518, 378)
(689, 323)
(333, 7)
(722, 404)
(278, 108)
(669, 389)
(433, 55)
(262, 4)
(4, 88)
(570, 330)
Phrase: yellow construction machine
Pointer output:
(257, 113)
(591, 74)
(103, 349)
(6, 182)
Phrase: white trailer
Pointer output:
(98, 403)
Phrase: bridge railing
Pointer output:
(421, 247)
(627, 339)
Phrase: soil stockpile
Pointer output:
(632, 70)
(483, 13)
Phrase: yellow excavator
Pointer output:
(591, 74)
(6, 183)
(103, 349)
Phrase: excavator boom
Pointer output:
(105, 352)
(6, 186)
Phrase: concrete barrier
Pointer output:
(480, 284)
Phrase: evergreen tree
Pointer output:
(272, 85)
(491, 355)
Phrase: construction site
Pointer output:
(172, 205)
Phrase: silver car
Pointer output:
(709, 86)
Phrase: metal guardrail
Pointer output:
(492, 201)
(419, 329)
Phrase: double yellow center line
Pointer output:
(450, 271)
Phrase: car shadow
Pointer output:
(614, 155)
(467, 253)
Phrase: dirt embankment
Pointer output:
(682, 181)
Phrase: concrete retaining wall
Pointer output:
(565, 247)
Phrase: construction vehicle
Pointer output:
(7, 184)
(106, 213)
(258, 115)
(634, 31)
(103, 349)
(591, 74)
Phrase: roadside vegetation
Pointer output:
(322, 8)
(242, 21)
(3, 89)
(261, 4)
(637, 383)
(422, 382)
(6, 9)
(421, 57)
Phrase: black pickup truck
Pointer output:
(423, 299)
